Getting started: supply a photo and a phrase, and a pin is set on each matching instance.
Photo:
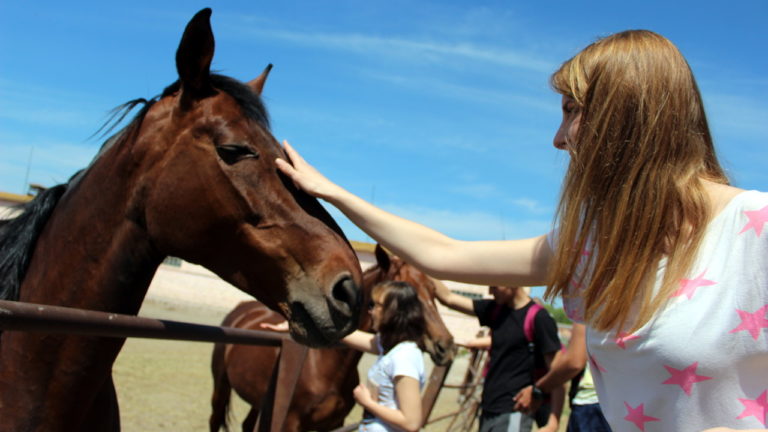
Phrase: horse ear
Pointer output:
(382, 257)
(257, 84)
(194, 56)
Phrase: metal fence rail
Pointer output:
(56, 319)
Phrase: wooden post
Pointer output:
(432, 390)
(282, 385)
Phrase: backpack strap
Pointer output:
(530, 316)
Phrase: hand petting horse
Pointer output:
(193, 176)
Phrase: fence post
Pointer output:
(282, 385)
(432, 391)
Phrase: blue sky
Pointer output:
(439, 111)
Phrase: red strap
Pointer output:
(530, 315)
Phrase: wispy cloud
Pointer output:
(477, 190)
(533, 206)
(737, 115)
(469, 225)
(413, 50)
(40, 105)
(49, 162)
(473, 93)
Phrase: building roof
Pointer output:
(14, 198)
(363, 246)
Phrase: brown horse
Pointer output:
(323, 396)
(193, 176)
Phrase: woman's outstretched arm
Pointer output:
(509, 262)
(358, 339)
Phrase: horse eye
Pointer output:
(232, 153)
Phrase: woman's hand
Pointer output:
(304, 175)
(362, 395)
(281, 327)
(524, 401)
(478, 343)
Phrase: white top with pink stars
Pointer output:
(702, 362)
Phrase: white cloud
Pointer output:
(737, 116)
(477, 94)
(465, 225)
(413, 50)
(531, 205)
(49, 162)
(44, 106)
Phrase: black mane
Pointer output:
(19, 235)
(249, 102)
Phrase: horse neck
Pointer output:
(93, 252)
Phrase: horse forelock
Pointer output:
(250, 102)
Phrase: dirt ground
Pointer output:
(166, 385)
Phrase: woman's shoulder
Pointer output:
(406, 346)
(725, 198)
(405, 349)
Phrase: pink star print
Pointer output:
(685, 378)
(757, 219)
(752, 322)
(622, 338)
(595, 364)
(757, 408)
(688, 286)
(637, 416)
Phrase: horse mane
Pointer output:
(249, 102)
(19, 235)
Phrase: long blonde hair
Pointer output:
(633, 193)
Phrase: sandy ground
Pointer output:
(166, 385)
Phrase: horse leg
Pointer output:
(222, 391)
(249, 424)
(292, 423)
(105, 412)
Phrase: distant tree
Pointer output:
(558, 314)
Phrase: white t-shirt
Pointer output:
(404, 359)
(702, 362)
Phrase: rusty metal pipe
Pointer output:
(18, 316)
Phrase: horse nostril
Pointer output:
(444, 350)
(345, 292)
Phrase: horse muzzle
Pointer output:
(320, 321)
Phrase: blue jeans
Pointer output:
(505, 422)
(587, 418)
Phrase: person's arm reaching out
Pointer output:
(453, 300)
(358, 339)
(567, 364)
(509, 262)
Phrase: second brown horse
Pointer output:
(323, 395)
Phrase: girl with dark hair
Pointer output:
(391, 397)
(654, 251)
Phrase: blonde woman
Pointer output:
(665, 263)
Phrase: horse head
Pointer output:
(210, 193)
(438, 340)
